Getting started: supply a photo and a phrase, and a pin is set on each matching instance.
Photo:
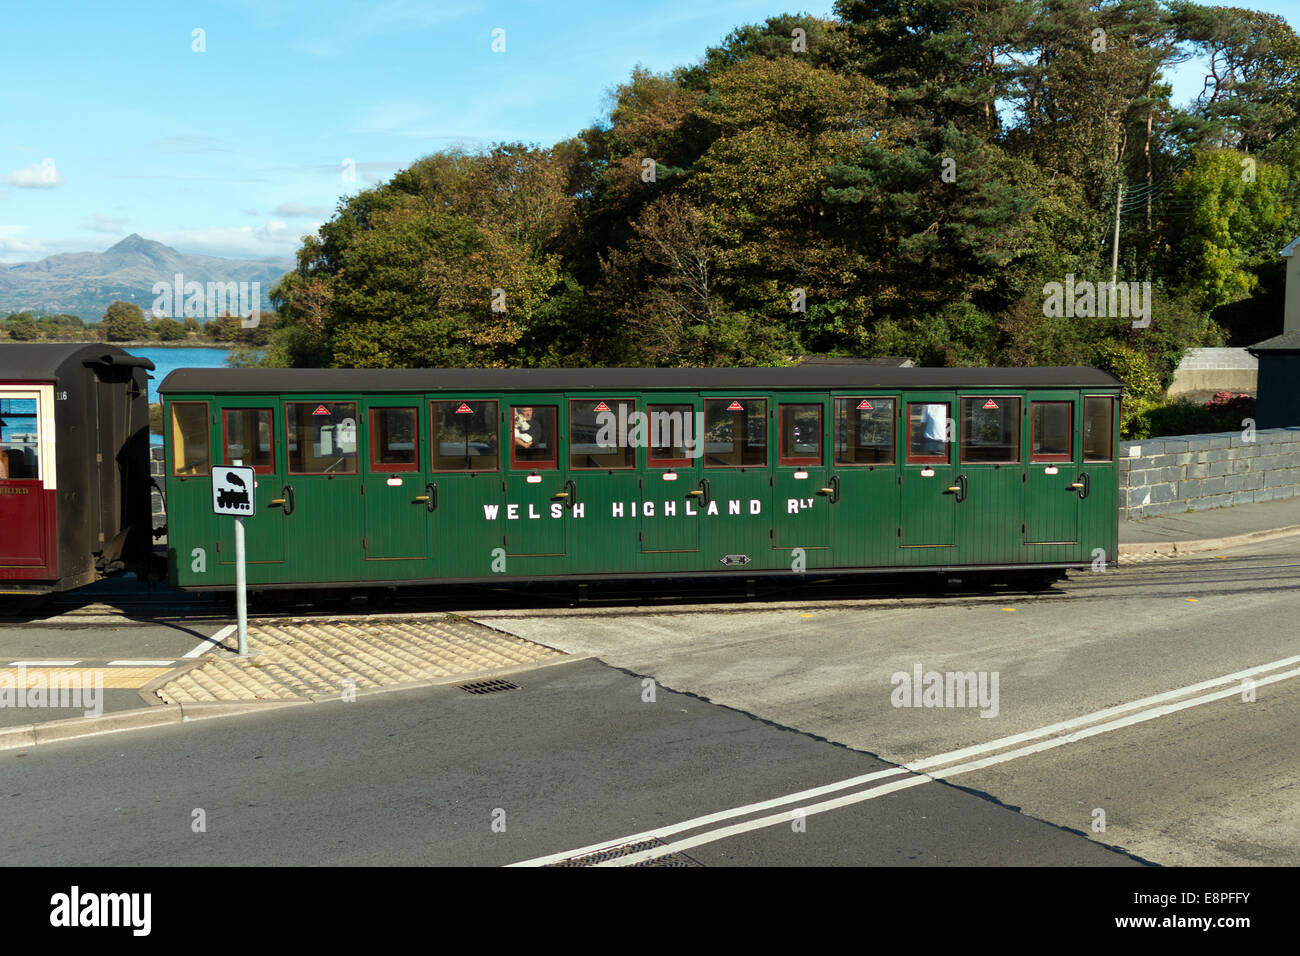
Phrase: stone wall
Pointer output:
(1163, 476)
(1215, 370)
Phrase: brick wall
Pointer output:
(1164, 476)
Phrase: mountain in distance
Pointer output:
(84, 283)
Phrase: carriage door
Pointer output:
(1052, 483)
(464, 486)
(672, 485)
(321, 497)
(539, 498)
(931, 494)
(864, 481)
(395, 489)
(802, 499)
(991, 479)
(248, 438)
(27, 480)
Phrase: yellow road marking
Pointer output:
(124, 678)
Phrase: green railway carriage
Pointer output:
(370, 477)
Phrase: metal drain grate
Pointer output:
(488, 686)
(627, 849)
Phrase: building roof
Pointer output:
(361, 380)
(1290, 249)
(1286, 342)
(42, 362)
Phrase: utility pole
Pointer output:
(1114, 249)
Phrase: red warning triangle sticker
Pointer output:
(864, 404)
(990, 404)
(321, 410)
(464, 409)
(735, 406)
(602, 407)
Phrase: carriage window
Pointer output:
(990, 430)
(190, 454)
(322, 437)
(249, 438)
(735, 432)
(394, 436)
(19, 439)
(464, 436)
(1051, 424)
(596, 438)
(1099, 428)
(927, 432)
(674, 437)
(533, 436)
(801, 435)
(864, 431)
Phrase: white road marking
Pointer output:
(44, 663)
(922, 766)
(212, 641)
(140, 663)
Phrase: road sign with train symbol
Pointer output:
(232, 491)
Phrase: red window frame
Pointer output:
(433, 445)
(171, 439)
(1069, 455)
(780, 440)
(835, 424)
(767, 426)
(551, 464)
(225, 438)
(288, 460)
(650, 460)
(907, 432)
(388, 467)
(1016, 431)
(613, 403)
(1116, 410)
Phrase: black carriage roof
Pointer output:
(364, 380)
(33, 362)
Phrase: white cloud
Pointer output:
(296, 210)
(14, 248)
(42, 175)
(109, 224)
(274, 239)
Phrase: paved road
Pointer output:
(1213, 784)
(778, 743)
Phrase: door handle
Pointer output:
(707, 492)
(959, 489)
(286, 502)
(569, 494)
(430, 501)
(833, 492)
(1082, 484)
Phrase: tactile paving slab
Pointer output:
(298, 659)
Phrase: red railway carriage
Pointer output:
(74, 466)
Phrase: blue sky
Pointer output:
(111, 123)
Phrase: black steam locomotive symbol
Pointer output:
(230, 498)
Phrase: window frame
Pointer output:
(435, 437)
(1015, 430)
(553, 464)
(669, 463)
(288, 458)
(1113, 439)
(943, 459)
(171, 438)
(893, 431)
(804, 461)
(371, 433)
(630, 466)
(1069, 455)
(766, 416)
(225, 435)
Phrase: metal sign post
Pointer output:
(233, 494)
